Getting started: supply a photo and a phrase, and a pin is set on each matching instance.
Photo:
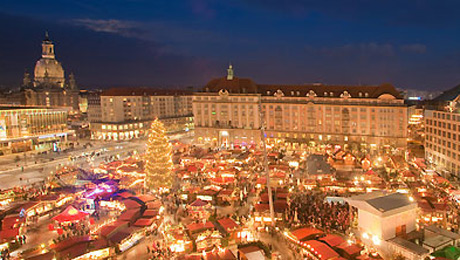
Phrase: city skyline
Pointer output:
(411, 46)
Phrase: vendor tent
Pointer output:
(70, 214)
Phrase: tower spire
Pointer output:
(47, 47)
(230, 72)
(47, 37)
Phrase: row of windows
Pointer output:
(442, 133)
(444, 143)
(449, 126)
(121, 127)
(453, 167)
(446, 116)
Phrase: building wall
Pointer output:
(389, 224)
(125, 117)
(442, 139)
(370, 122)
(370, 223)
(385, 227)
(94, 107)
(53, 98)
(26, 129)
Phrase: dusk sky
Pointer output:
(411, 44)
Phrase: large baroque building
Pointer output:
(48, 87)
(126, 113)
(231, 110)
(442, 131)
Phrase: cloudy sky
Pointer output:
(411, 43)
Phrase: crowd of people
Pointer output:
(311, 208)
(159, 251)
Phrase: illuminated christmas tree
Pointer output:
(159, 165)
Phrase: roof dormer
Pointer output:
(311, 93)
(345, 94)
(279, 93)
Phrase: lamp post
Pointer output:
(265, 165)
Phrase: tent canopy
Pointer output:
(70, 214)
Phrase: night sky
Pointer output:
(411, 44)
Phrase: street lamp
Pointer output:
(266, 169)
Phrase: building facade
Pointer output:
(24, 128)
(126, 113)
(49, 86)
(94, 111)
(442, 131)
(230, 111)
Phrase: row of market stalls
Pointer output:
(316, 244)
(202, 236)
(95, 218)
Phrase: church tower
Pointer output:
(48, 71)
(47, 47)
(230, 72)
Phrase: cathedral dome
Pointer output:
(48, 70)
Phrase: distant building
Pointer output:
(227, 112)
(126, 113)
(442, 131)
(48, 87)
(25, 128)
(94, 110)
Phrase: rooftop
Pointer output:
(449, 95)
(390, 202)
(419, 250)
(245, 85)
(144, 92)
(437, 241)
(443, 232)
(18, 107)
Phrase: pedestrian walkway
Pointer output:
(278, 244)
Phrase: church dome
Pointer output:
(48, 70)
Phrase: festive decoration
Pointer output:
(158, 167)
